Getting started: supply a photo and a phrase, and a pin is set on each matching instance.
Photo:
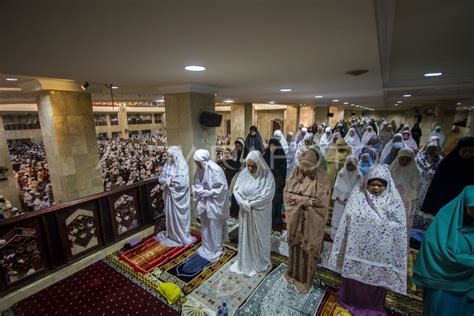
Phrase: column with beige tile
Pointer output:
(123, 121)
(241, 118)
(68, 130)
(8, 186)
(292, 119)
(183, 108)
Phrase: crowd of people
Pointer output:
(32, 176)
(386, 188)
(126, 162)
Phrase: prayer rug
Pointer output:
(173, 270)
(226, 286)
(275, 296)
(329, 307)
(151, 254)
(195, 308)
(95, 290)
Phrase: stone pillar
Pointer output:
(8, 186)
(445, 113)
(306, 116)
(321, 115)
(123, 121)
(291, 119)
(68, 130)
(241, 118)
(182, 124)
(109, 126)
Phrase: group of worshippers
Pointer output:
(380, 194)
(32, 176)
(126, 162)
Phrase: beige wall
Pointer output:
(264, 121)
(306, 116)
(221, 130)
(338, 115)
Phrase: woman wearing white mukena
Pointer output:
(210, 193)
(254, 190)
(174, 181)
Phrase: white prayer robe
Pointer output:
(254, 194)
(210, 192)
(345, 182)
(174, 180)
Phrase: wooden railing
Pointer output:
(35, 244)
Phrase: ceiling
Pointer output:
(251, 48)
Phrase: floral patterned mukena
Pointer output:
(371, 242)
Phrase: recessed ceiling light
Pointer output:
(114, 87)
(407, 95)
(335, 100)
(396, 104)
(195, 68)
(272, 102)
(11, 79)
(228, 101)
(285, 90)
(459, 103)
(433, 74)
(399, 101)
(319, 97)
(346, 102)
(9, 89)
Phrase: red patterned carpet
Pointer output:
(95, 290)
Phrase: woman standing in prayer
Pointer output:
(385, 135)
(416, 133)
(276, 160)
(407, 179)
(453, 174)
(336, 159)
(303, 146)
(307, 204)
(290, 158)
(318, 135)
(445, 263)
(452, 140)
(174, 181)
(302, 134)
(237, 161)
(370, 248)
(409, 141)
(353, 140)
(390, 152)
(281, 138)
(326, 141)
(367, 135)
(365, 163)
(346, 180)
(212, 204)
(427, 161)
(254, 140)
(438, 131)
(254, 190)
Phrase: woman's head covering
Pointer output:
(390, 151)
(407, 178)
(201, 155)
(368, 135)
(353, 140)
(452, 175)
(254, 142)
(373, 234)
(335, 155)
(240, 141)
(257, 158)
(254, 128)
(410, 142)
(365, 163)
(301, 136)
(281, 138)
(321, 159)
(438, 131)
(346, 180)
(446, 259)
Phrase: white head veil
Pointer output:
(407, 178)
(282, 139)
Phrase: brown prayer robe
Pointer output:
(307, 203)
